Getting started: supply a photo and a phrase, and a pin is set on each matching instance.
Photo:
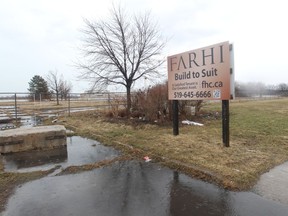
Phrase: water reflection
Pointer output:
(134, 188)
(198, 198)
(8, 116)
(30, 121)
(194, 197)
(20, 160)
(79, 151)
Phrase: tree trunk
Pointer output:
(57, 97)
(198, 106)
(128, 94)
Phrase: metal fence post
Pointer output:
(69, 105)
(16, 114)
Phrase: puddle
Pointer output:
(66, 110)
(6, 126)
(79, 151)
(25, 121)
(34, 160)
(134, 188)
(7, 116)
(7, 107)
(81, 109)
(30, 121)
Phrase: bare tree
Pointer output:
(121, 50)
(65, 89)
(54, 83)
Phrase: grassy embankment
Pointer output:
(258, 141)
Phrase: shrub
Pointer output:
(151, 104)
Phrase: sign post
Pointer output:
(202, 74)
(225, 123)
(175, 117)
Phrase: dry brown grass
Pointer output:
(258, 141)
(87, 167)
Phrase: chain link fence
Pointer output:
(29, 109)
(26, 109)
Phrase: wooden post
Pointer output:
(225, 123)
(175, 117)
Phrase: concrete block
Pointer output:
(24, 139)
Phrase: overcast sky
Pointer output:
(37, 36)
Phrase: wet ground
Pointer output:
(134, 188)
(8, 116)
(274, 184)
(79, 151)
(130, 187)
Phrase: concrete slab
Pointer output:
(24, 139)
(273, 184)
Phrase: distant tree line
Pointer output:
(44, 89)
(258, 89)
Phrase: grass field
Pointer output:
(258, 141)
